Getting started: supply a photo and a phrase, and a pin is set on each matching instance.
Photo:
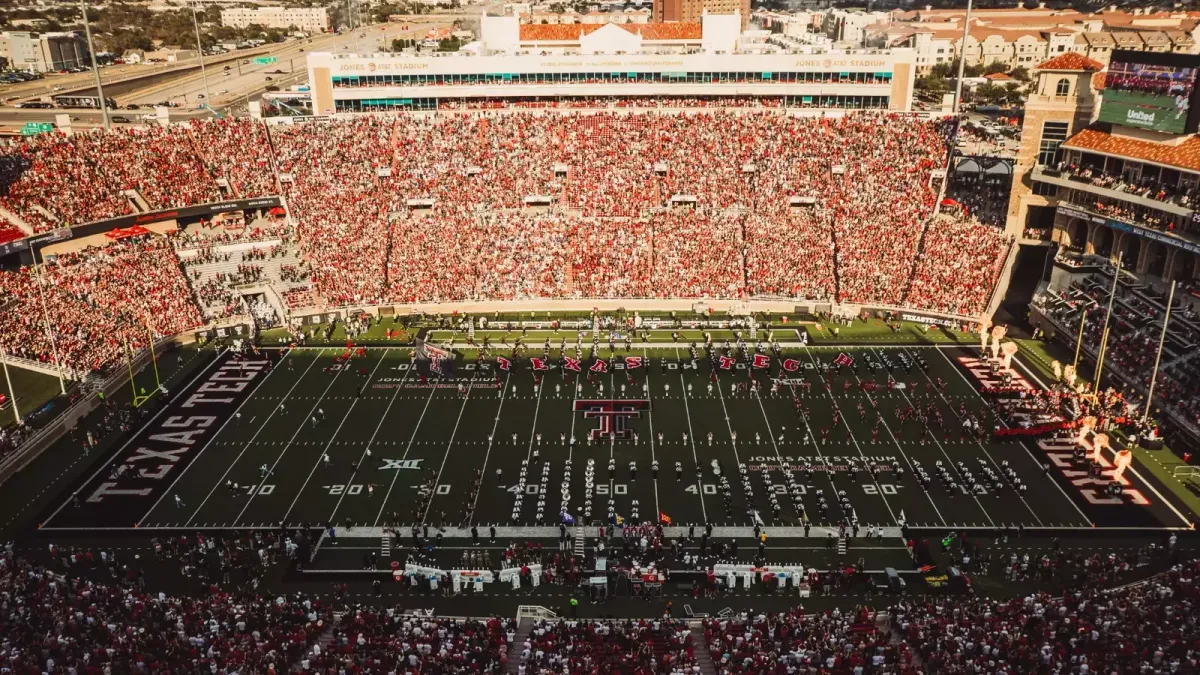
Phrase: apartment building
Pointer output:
(307, 19)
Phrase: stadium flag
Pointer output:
(726, 362)
(600, 366)
(791, 365)
(632, 362)
(568, 519)
(570, 364)
(666, 520)
(503, 363)
(762, 361)
(758, 519)
(539, 364)
(843, 359)
(433, 360)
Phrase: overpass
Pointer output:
(127, 85)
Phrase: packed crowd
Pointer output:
(90, 612)
(832, 641)
(634, 647)
(69, 624)
(369, 640)
(408, 209)
(97, 301)
(1144, 628)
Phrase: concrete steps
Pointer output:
(514, 650)
(700, 648)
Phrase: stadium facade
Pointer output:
(534, 64)
(1111, 189)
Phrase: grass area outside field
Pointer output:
(873, 331)
(30, 390)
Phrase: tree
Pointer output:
(995, 67)
(945, 69)
(932, 83)
(450, 44)
(1013, 94)
(558, 8)
(1020, 73)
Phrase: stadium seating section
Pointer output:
(648, 205)
(53, 623)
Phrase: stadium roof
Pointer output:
(572, 31)
(1185, 155)
(1071, 61)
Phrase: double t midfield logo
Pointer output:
(613, 415)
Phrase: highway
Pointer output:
(233, 79)
(230, 84)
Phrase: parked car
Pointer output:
(120, 119)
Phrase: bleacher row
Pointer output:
(866, 236)
(75, 624)
(1134, 331)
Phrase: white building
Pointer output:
(595, 65)
(43, 52)
(307, 19)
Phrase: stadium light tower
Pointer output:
(1162, 339)
(962, 60)
(200, 51)
(87, 30)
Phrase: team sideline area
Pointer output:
(639, 433)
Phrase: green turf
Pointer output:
(30, 390)
(873, 331)
(453, 436)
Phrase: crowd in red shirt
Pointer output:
(711, 203)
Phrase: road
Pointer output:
(230, 88)
(235, 83)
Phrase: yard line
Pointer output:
(331, 439)
(449, 445)
(977, 442)
(912, 471)
(396, 474)
(650, 417)
(816, 445)
(215, 436)
(874, 480)
(955, 368)
(491, 438)
(247, 445)
(612, 439)
(362, 456)
(692, 438)
(733, 444)
(118, 453)
(288, 445)
(966, 491)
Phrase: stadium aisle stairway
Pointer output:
(700, 648)
(514, 650)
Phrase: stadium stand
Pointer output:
(644, 205)
(1133, 341)
(97, 301)
(62, 619)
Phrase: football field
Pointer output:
(304, 438)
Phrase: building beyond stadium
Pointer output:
(1115, 171)
(540, 63)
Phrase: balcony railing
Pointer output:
(1066, 179)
